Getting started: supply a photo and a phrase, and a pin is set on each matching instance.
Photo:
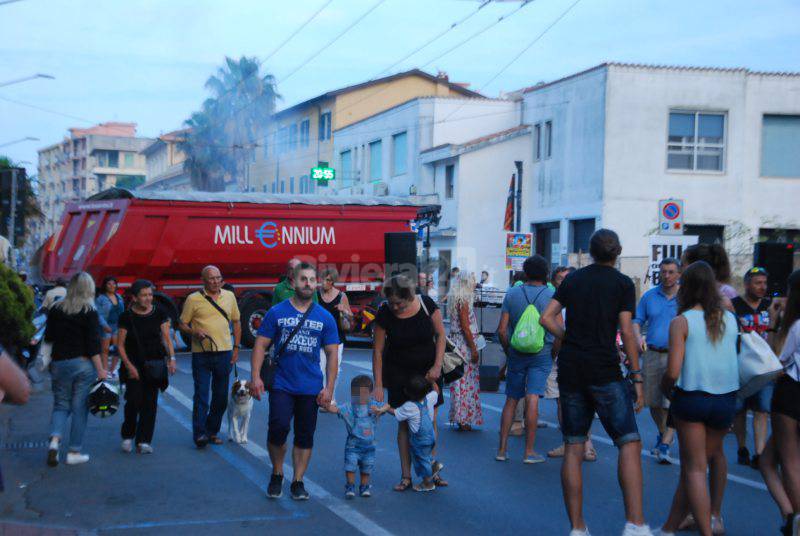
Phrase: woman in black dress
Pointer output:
(335, 302)
(409, 340)
(143, 337)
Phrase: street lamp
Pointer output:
(26, 138)
(26, 78)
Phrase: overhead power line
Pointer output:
(297, 31)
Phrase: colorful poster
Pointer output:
(519, 246)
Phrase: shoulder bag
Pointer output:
(758, 364)
(454, 361)
(152, 371)
(270, 366)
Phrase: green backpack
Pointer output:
(528, 337)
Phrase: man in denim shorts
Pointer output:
(598, 298)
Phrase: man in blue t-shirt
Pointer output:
(297, 390)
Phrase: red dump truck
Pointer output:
(168, 237)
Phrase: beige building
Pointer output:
(165, 163)
(301, 136)
(88, 161)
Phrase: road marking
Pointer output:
(162, 524)
(358, 521)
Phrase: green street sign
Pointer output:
(323, 174)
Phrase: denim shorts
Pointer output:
(527, 374)
(760, 402)
(715, 411)
(613, 404)
(359, 458)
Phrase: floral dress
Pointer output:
(465, 402)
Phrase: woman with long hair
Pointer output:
(703, 370)
(109, 306)
(336, 303)
(73, 326)
(409, 340)
(785, 415)
(465, 402)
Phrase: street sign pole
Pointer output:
(13, 219)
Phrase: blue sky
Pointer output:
(146, 61)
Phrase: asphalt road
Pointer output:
(180, 490)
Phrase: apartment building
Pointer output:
(164, 161)
(88, 161)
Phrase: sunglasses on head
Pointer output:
(757, 270)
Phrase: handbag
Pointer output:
(152, 371)
(454, 362)
(758, 364)
(270, 366)
(45, 356)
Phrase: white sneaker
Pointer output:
(636, 530)
(75, 458)
(54, 442)
(127, 445)
(662, 532)
(580, 532)
(144, 448)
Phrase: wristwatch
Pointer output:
(237, 346)
(172, 358)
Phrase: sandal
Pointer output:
(439, 481)
(405, 484)
(214, 440)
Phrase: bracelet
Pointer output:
(632, 372)
(172, 358)
(637, 381)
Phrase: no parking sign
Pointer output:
(670, 217)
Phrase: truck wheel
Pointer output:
(253, 309)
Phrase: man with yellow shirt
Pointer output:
(207, 317)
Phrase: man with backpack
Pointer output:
(528, 351)
(598, 299)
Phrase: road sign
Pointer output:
(322, 173)
(670, 217)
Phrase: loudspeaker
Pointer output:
(401, 254)
(777, 259)
(489, 378)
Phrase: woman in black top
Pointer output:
(408, 341)
(73, 326)
(336, 303)
(144, 341)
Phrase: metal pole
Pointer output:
(518, 196)
(13, 217)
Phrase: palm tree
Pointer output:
(224, 134)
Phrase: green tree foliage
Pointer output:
(16, 310)
(130, 182)
(224, 134)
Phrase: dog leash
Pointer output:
(235, 372)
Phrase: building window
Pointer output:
(375, 160)
(780, 146)
(101, 183)
(305, 128)
(292, 136)
(580, 232)
(548, 243)
(325, 126)
(537, 142)
(291, 185)
(548, 139)
(108, 159)
(283, 186)
(696, 141)
(449, 181)
(311, 184)
(265, 143)
(707, 234)
(128, 160)
(399, 153)
(274, 187)
(346, 166)
(283, 140)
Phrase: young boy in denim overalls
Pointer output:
(360, 418)
(418, 411)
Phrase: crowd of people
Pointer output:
(576, 336)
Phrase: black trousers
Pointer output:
(141, 404)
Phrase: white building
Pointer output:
(611, 141)
(165, 164)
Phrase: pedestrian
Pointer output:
(73, 326)
(703, 371)
(409, 340)
(285, 288)
(465, 401)
(417, 413)
(518, 427)
(207, 317)
(785, 416)
(484, 282)
(147, 354)
(551, 390)
(360, 417)
(422, 283)
(55, 294)
(109, 306)
(753, 312)
(656, 309)
(526, 373)
(336, 303)
(716, 256)
(598, 300)
(300, 329)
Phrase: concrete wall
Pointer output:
(636, 175)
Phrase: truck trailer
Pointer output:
(168, 237)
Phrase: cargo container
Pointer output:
(168, 237)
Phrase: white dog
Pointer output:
(240, 406)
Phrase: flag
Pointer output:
(508, 223)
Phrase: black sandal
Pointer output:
(404, 485)
(439, 481)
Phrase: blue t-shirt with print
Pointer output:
(298, 366)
